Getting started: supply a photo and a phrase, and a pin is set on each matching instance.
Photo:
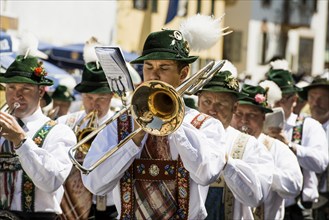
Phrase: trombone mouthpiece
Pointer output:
(16, 106)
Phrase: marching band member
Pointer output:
(34, 149)
(160, 177)
(305, 137)
(78, 202)
(247, 176)
(287, 176)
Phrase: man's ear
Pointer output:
(42, 90)
(184, 73)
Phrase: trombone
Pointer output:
(157, 108)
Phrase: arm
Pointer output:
(49, 166)
(250, 178)
(313, 153)
(287, 176)
(202, 150)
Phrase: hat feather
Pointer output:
(201, 32)
(29, 46)
(273, 93)
(228, 66)
(280, 65)
(89, 54)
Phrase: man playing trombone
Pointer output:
(160, 177)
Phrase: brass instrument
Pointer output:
(157, 108)
(6, 108)
(90, 127)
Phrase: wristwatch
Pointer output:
(20, 143)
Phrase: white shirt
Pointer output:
(78, 116)
(198, 149)
(287, 178)
(47, 166)
(323, 181)
(312, 154)
(249, 178)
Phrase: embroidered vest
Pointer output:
(156, 172)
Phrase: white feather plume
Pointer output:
(89, 54)
(280, 65)
(228, 66)
(29, 46)
(201, 31)
(274, 92)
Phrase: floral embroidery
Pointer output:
(39, 71)
(169, 169)
(141, 169)
(28, 187)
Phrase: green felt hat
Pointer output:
(317, 82)
(223, 81)
(26, 70)
(284, 80)
(62, 93)
(166, 45)
(93, 80)
(257, 96)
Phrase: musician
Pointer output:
(96, 97)
(169, 171)
(249, 169)
(34, 149)
(305, 137)
(317, 94)
(287, 176)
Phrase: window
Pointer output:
(140, 4)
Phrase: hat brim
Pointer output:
(163, 56)
(245, 102)
(304, 91)
(92, 89)
(20, 79)
(221, 89)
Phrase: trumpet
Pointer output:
(6, 108)
(157, 108)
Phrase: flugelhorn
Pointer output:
(157, 108)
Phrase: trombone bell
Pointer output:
(157, 108)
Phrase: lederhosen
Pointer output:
(28, 188)
(156, 181)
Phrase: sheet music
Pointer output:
(274, 119)
(115, 69)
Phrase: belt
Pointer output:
(155, 170)
(35, 215)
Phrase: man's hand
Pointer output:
(10, 129)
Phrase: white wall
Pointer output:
(63, 22)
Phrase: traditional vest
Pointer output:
(163, 181)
